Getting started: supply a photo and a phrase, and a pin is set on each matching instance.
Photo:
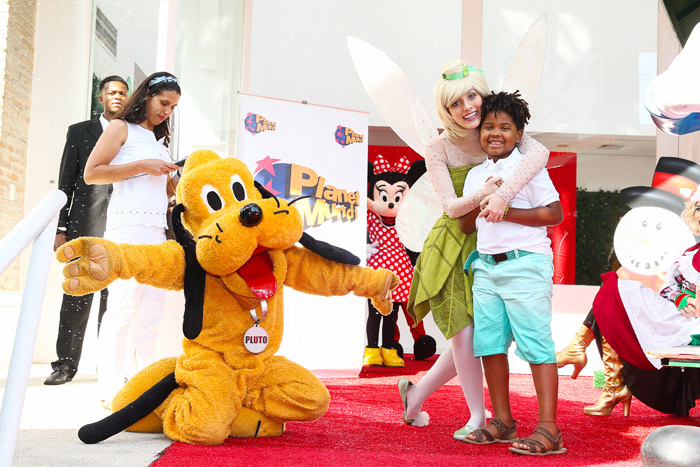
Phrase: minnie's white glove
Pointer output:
(372, 249)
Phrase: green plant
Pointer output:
(598, 379)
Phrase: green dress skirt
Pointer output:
(439, 282)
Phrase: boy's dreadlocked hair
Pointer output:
(510, 103)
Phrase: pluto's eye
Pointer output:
(658, 226)
(238, 188)
(644, 223)
(212, 199)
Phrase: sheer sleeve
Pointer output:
(536, 156)
(439, 176)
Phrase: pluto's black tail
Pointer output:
(132, 413)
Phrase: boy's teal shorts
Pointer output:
(513, 301)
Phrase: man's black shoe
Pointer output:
(61, 375)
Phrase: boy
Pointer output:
(512, 290)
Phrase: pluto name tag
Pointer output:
(255, 339)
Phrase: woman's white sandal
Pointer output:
(423, 419)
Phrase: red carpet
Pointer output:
(363, 426)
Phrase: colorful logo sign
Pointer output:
(256, 123)
(291, 181)
(345, 136)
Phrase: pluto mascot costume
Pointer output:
(233, 260)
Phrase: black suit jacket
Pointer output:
(85, 213)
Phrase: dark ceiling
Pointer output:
(684, 14)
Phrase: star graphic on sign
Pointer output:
(269, 188)
(267, 164)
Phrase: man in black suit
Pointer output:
(85, 214)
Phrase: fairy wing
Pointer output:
(400, 105)
(393, 95)
(419, 211)
(525, 71)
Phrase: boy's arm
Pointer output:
(550, 214)
(467, 223)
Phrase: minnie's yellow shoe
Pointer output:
(391, 358)
(372, 357)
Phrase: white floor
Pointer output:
(50, 421)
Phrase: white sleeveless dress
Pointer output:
(136, 215)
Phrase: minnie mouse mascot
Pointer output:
(387, 187)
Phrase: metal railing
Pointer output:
(40, 226)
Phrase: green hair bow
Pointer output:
(461, 74)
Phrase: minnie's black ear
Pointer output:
(371, 180)
(195, 277)
(263, 191)
(328, 251)
(416, 171)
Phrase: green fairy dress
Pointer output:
(439, 283)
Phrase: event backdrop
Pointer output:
(296, 149)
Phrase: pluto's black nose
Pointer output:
(250, 215)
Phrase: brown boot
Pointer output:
(614, 390)
(575, 352)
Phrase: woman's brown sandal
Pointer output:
(505, 433)
(536, 448)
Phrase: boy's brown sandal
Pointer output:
(505, 433)
(535, 448)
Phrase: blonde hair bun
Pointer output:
(454, 66)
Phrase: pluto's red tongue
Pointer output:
(257, 274)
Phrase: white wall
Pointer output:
(591, 77)
(590, 82)
(137, 28)
(596, 172)
(209, 48)
(299, 49)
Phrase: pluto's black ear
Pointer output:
(132, 413)
(329, 251)
(195, 277)
(263, 191)
(182, 236)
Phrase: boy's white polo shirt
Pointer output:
(499, 237)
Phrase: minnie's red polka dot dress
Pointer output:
(391, 255)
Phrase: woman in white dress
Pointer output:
(132, 155)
